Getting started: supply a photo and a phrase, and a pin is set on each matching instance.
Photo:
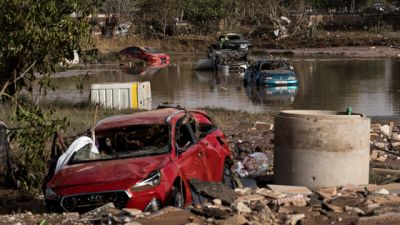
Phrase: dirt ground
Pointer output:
(353, 51)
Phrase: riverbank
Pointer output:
(352, 44)
(351, 51)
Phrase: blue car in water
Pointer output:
(271, 73)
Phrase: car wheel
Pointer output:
(227, 177)
(177, 198)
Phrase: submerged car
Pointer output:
(149, 54)
(142, 160)
(271, 73)
(233, 41)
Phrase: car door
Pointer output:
(189, 152)
(211, 140)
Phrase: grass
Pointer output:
(81, 116)
(377, 178)
(169, 44)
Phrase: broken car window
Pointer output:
(152, 50)
(184, 136)
(127, 142)
(206, 128)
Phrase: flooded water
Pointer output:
(369, 86)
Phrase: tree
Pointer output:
(205, 14)
(159, 13)
(122, 8)
(35, 37)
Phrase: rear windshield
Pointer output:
(152, 50)
(127, 142)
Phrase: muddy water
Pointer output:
(370, 86)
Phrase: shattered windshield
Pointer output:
(126, 142)
(152, 50)
(234, 37)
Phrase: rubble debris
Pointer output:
(243, 191)
(250, 198)
(263, 126)
(254, 165)
(99, 210)
(212, 212)
(332, 207)
(293, 219)
(297, 200)
(235, 220)
(242, 208)
(385, 129)
(387, 218)
(327, 193)
(270, 193)
(212, 190)
(290, 190)
(381, 192)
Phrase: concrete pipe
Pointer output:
(321, 148)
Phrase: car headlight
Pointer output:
(292, 78)
(51, 195)
(151, 181)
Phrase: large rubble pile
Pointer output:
(385, 142)
(274, 204)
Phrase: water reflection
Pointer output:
(370, 86)
(143, 69)
(264, 95)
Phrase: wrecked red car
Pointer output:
(149, 54)
(143, 160)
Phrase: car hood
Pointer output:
(122, 171)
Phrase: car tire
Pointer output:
(227, 176)
(177, 198)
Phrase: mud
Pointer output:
(359, 52)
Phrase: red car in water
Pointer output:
(143, 160)
(149, 54)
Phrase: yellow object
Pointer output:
(134, 93)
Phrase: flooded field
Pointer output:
(370, 86)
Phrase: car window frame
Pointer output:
(180, 150)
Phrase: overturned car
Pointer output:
(142, 160)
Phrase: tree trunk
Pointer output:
(5, 159)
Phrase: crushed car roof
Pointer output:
(146, 117)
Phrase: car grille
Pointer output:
(163, 58)
(90, 201)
